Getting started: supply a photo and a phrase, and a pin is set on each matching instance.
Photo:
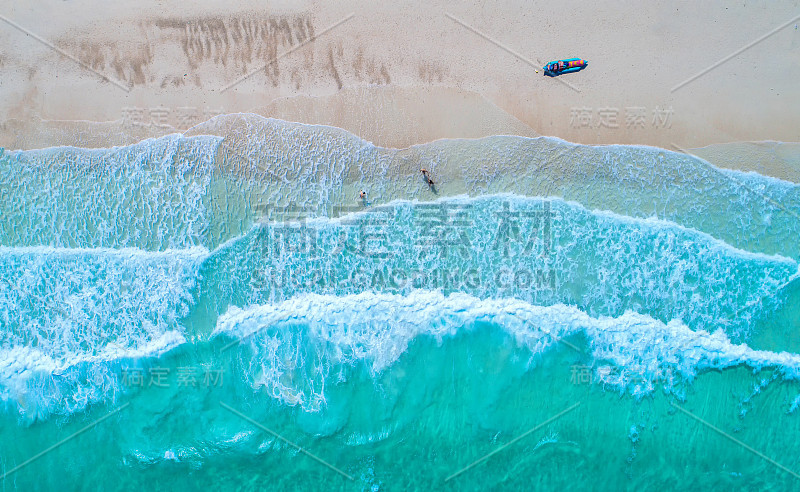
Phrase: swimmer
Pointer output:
(427, 176)
(362, 194)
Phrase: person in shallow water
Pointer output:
(362, 194)
(427, 177)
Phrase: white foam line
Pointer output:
(625, 219)
(432, 144)
(753, 174)
(633, 341)
(116, 148)
(19, 363)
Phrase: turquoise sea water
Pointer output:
(223, 313)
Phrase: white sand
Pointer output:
(403, 73)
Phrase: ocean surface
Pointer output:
(223, 312)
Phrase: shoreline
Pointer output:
(775, 159)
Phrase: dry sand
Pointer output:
(404, 73)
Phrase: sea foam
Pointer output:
(308, 336)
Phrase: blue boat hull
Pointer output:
(573, 64)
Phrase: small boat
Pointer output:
(558, 67)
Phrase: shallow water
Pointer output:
(198, 308)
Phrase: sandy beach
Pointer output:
(403, 74)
